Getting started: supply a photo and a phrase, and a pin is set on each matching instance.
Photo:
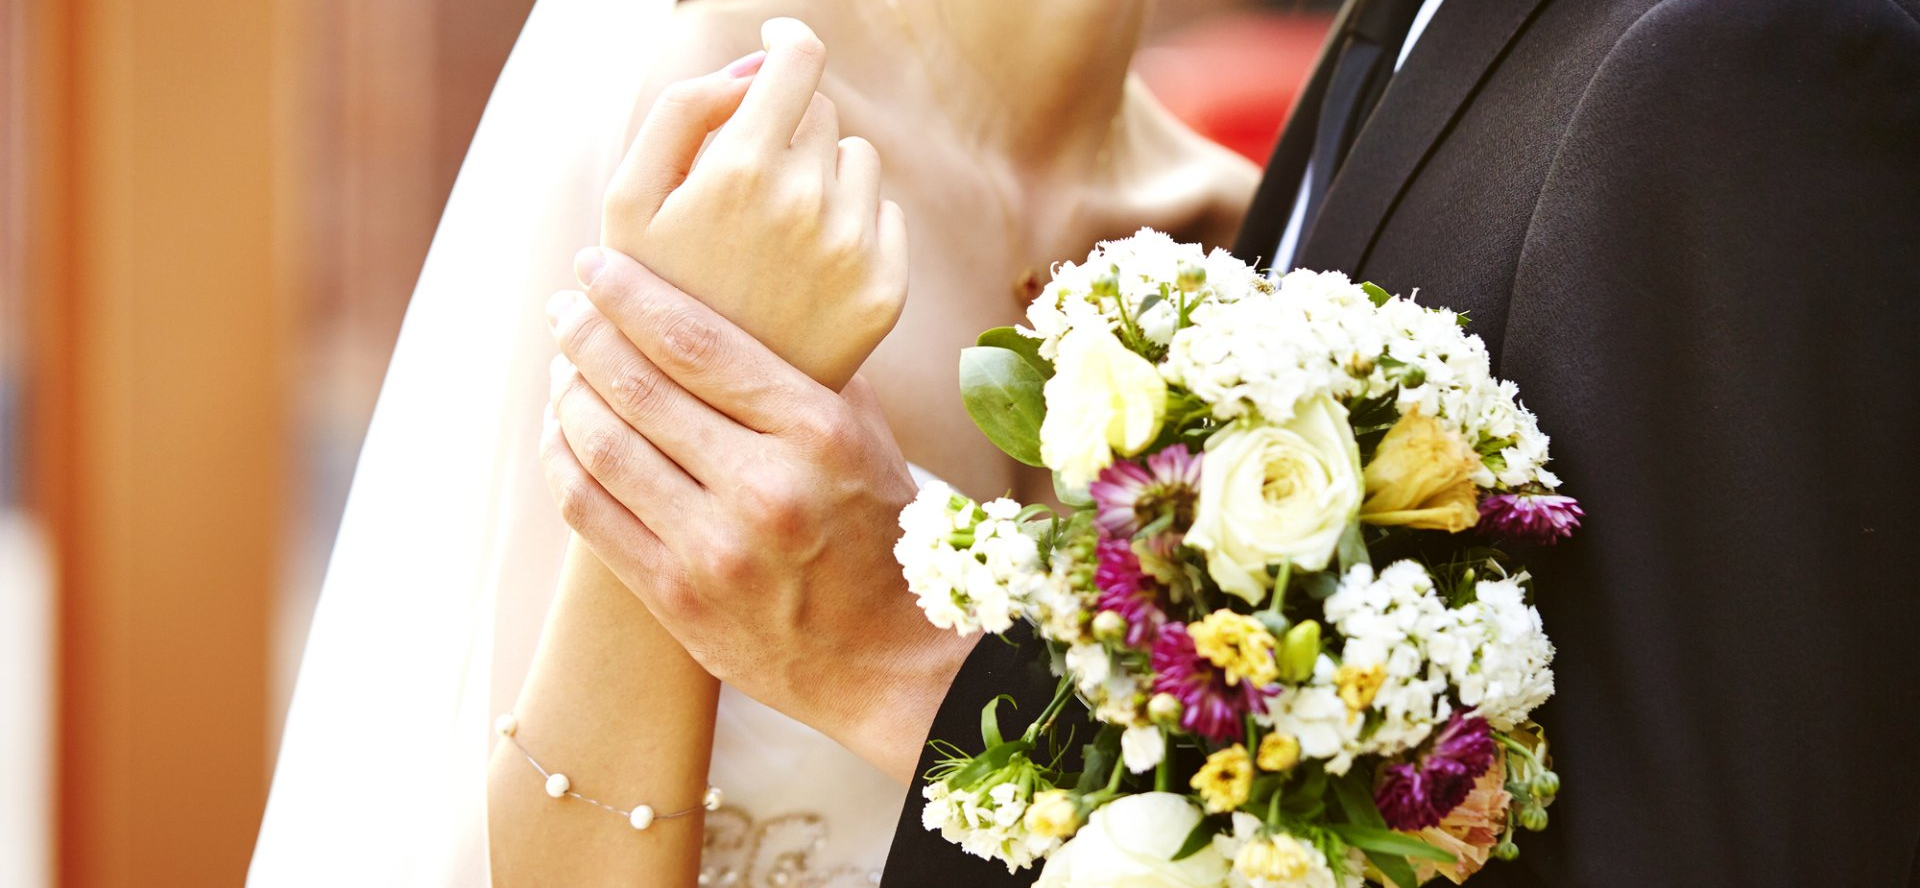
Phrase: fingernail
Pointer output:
(746, 65)
(559, 304)
(587, 265)
(559, 373)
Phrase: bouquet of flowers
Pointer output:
(1282, 583)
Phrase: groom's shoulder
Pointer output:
(1684, 26)
(1759, 55)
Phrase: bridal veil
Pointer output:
(380, 779)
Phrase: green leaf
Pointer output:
(1321, 585)
(1072, 498)
(1376, 295)
(1004, 395)
(1101, 755)
(1019, 343)
(990, 720)
(1353, 548)
(1356, 802)
(995, 758)
(1386, 841)
(1275, 623)
(1397, 870)
(1199, 838)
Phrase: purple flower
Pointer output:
(1209, 706)
(1129, 496)
(1417, 794)
(1539, 518)
(1128, 591)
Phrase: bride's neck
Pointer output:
(1043, 81)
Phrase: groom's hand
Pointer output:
(752, 509)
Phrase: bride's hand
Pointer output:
(778, 225)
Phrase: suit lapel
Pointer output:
(1273, 200)
(1462, 43)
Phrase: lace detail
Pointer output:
(779, 852)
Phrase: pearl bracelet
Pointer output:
(559, 786)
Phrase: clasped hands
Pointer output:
(699, 439)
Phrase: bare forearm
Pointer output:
(615, 704)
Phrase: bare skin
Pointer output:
(1065, 147)
(1005, 176)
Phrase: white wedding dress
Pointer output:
(449, 550)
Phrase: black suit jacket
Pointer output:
(1690, 230)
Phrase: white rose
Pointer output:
(1130, 843)
(1273, 494)
(1101, 398)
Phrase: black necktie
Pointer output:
(1360, 73)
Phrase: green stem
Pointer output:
(1061, 694)
(1163, 773)
(1280, 587)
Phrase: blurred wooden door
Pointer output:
(199, 184)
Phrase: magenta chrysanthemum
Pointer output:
(1208, 705)
(1128, 591)
(1539, 518)
(1417, 794)
(1129, 495)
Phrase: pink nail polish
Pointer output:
(747, 64)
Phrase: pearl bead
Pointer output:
(642, 817)
(558, 784)
(713, 799)
(506, 724)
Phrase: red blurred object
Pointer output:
(1233, 77)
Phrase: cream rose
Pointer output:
(1276, 494)
(1102, 398)
(1130, 843)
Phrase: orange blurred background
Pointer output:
(212, 213)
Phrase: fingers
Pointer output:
(614, 533)
(857, 170)
(693, 435)
(624, 464)
(670, 138)
(890, 260)
(707, 355)
(784, 88)
(818, 135)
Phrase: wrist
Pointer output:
(905, 690)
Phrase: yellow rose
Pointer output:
(1422, 477)
(1102, 398)
(1274, 494)
(1225, 780)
